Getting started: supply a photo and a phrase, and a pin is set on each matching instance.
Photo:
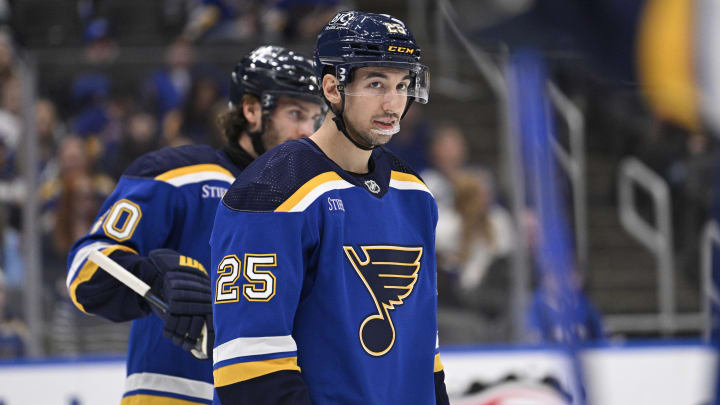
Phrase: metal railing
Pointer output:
(709, 295)
(493, 74)
(656, 237)
(32, 282)
(573, 162)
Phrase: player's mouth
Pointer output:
(384, 124)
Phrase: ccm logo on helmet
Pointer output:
(401, 49)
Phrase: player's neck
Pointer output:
(339, 149)
(246, 143)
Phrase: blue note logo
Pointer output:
(389, 274)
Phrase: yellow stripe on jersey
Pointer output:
(438, 364)
(400, 176)
(144, 399)
(182, 171)
(89, 269)
(306, 189)
(244, 371)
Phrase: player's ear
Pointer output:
(252, 112)
(329, 87)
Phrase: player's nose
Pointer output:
(394, 102)
(305, 129)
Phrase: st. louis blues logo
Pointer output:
(390, 274)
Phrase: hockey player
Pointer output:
(323, 249)
(157, 224)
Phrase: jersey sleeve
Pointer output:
(260, 260)
(137, 217)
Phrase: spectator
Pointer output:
(486, 233)
(49, 131)
(214, 20)
(168, 88)
(100, 48)
(475, 277)
(77, 207)
(293, 19)
(141, 137)
(72, 160)
(7, 57)
(13, 333)
(10, 109)
(447, 154)
(10, 252)
(199, 115)
(548, 322)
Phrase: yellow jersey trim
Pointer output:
(400, 176)
(438, 364)
(89, 269)
(238, 372)
(306, 189)
(182, 171)
(145, 399)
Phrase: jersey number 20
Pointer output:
(261, 286)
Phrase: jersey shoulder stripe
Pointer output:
(407, 181)
(166, 160)
(311, 190)
(195, 174)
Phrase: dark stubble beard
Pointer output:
(359, 137)
(271, 135)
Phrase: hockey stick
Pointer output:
(140, 287)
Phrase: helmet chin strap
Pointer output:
(256, 137)
(340, 124)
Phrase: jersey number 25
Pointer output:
(261, 283)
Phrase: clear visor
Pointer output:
(379, 79)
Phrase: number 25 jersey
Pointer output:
(329, 276)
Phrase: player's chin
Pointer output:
(377, 139)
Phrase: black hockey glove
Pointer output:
(183, 283)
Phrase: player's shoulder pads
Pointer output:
(276, 175)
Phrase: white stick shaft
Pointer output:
(119, 272)
(140, 287)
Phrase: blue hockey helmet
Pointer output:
(355, 39)
(269, 72)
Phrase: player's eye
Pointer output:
(297, 115)
(402, 86)
(375, 85)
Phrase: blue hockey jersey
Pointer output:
(328, 276)
(166, 199)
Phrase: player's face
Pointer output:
(374, 103)
(291, 119)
